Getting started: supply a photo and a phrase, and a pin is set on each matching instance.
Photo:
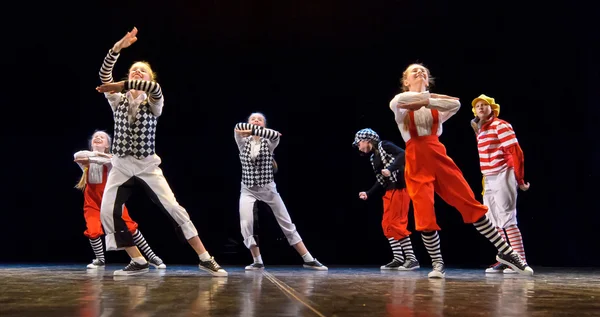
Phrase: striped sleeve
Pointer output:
(506, 135)
(107, 67)
(150, 87)
(258, 131)
(245, 126)
(266, 133)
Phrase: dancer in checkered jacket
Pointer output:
(387, 160)
(136, 104)
(419, 115)
(96, 165)
(501, 161)
(256, 144)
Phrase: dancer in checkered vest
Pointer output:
(387, 160)
(96, 165)
(419, 115)
(501, 161)
(136, 104)
(256, 144)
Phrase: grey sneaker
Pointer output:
(157, 263)
(394, 265)
(496, 268)
(439, 270)
(133, 269)
(315, 265)
(515, 262)
(409, 265)
(255, 267)
(211, 266)
(96, 264)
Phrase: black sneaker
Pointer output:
(211, 266)
(439, 270)
(515, 262)
(394, 265)
(133, 269)
(409, 265)
(255, 267)
(315, 265)
(96, 264)
(157, 263)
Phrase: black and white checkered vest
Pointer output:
(260, 171)
(137, 138)
(387, 160)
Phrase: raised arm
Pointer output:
(109, 62)
(106, 77)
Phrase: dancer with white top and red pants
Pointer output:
(501, 161)
(419, 115)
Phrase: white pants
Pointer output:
(500, 196)
(125, 173)
(270, 196)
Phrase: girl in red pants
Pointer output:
(387, 160)
(419, 115)
(95, 165)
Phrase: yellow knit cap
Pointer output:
(490, 101)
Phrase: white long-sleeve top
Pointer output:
(423, 117)
(97, 162)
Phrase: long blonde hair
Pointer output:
(83, 180)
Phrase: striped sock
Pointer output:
(396, 249)
(141, 243)
(408, 249)
(485, 227)
(432, 244)
(516, 241)
(98, 248)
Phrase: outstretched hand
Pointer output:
(126, 41)
(111, 87)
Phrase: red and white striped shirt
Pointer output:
(499, 149)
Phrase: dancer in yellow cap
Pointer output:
(501, 161)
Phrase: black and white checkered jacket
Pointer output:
(135, 138)
(138, 137)
(388, 156)
(258, 171)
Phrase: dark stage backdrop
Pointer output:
(319, 72)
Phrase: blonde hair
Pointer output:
(430, 81)
(152, 73)
(83, 180)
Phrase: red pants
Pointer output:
(428, 169)
(395, 214)
(92, 198)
